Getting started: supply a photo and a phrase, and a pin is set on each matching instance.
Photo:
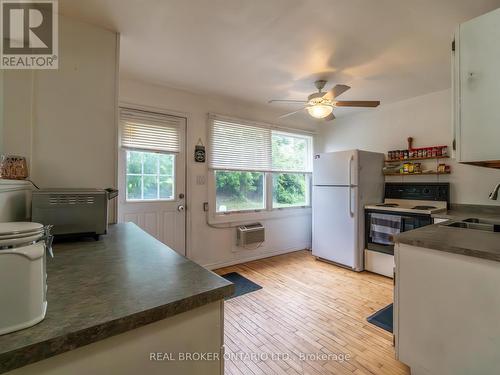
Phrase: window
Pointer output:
(239, 191)
(290, 190)
(151, 142)
(150, 176)
(290, 153)
(258, 168)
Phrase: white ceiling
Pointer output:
(256, 50)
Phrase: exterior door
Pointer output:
(152, 191)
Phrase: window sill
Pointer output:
(245, 217)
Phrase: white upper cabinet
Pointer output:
(476, 90)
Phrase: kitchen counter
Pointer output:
(465, 211)
(470, 242)
(98, 289)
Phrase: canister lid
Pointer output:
(19, 229)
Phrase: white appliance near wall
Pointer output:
(343, 183)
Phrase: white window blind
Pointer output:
(149, 131)
(238, 146)
(235, 146)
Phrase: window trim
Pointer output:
(268, 212)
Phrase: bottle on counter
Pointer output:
(417, 168)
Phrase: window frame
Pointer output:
(125, 174)
(269, 211)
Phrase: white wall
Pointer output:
(428, 120)
(209, 246)
(1, 112)
(64, 121)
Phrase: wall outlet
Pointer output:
(205, 206)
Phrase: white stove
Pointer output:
(422, 207)
(406, 206)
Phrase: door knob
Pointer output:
(180, 208)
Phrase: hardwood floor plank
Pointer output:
(308, 307)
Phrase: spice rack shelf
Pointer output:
(415, 174)
(417, 159)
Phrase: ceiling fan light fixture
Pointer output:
(320, 110)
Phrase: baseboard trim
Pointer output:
(232, 262)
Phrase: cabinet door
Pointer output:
(479, 53)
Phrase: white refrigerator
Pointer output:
(343, 182)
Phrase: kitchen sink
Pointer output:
(476, 224)
(480, 221)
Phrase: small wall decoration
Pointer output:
(199, 152)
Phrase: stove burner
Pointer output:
(423, 208)
(387, 205)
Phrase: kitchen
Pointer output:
(371, 193)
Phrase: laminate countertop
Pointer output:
(470, 242)
(465, 211)
(97, 289)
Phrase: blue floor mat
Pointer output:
(241, 284)
(383, 318)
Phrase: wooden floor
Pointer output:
(307, 307)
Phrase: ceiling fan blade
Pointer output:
(330, 117)
(336, 91)
(287, 101)
(292, 113)
(357, 103)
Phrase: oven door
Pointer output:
(408, 222)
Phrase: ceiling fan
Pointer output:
(321, 104)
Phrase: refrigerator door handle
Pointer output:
(351, 213)
(351, 159)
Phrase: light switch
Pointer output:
(200, 180)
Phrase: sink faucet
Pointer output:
(494, 193)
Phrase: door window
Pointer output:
(150, 176)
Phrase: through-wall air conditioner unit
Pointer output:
(250, 234)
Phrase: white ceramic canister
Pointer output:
(23, 276)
